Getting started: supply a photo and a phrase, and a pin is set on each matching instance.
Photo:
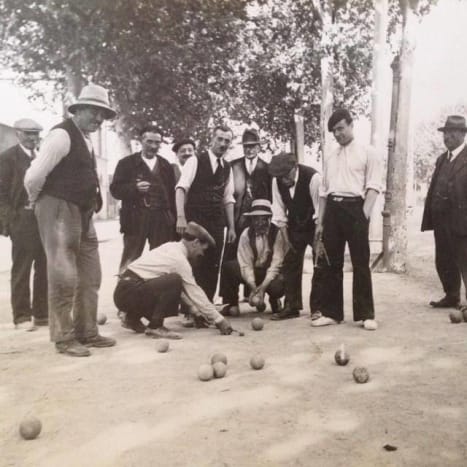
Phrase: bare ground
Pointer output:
(132, 406)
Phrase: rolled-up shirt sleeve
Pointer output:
(229, 190)
(315, 184)
(373, 178)
(188, 174)
(279, 216)
(53, 149)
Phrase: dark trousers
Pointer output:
(27, 252)
(233, 278)
(153, 299)
(460, 252)
(154, 226)
(447, 266)
(206, 268)
(344, 221)
(293, 272)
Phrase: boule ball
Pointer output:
(261, 307)
(257, 362)
(255, 300)
(360, 375)
(205, 372)
(220, 369)
(234, 311)
(257, 324)
(101, 319)
(341, 357)
(30, 428)
(163, 346)
(456, 316)
(218, 357)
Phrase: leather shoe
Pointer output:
(162, 333)
(98, 341)
(72, 348)
(445, 302)
(134, 324)
(276, 305)
(286, 313)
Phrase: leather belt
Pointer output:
(345, 199)
(129, 275)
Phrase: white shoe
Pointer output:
(370, 325)
(24, 326)
(323, 321)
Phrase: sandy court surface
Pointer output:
(132, 406)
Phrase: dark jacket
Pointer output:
(13, 165)
(123, 187)
(457, 195)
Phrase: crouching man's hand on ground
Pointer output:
(224, 327)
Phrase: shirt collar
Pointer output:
(26, 150)
(457, 151)
(213, 159)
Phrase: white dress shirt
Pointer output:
(456, 152)
(150, 162)
(189, 172)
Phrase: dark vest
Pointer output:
(439, 200)
(300, 209)
(156, 198)
(205, 199)
(273, 230)
(74, 179)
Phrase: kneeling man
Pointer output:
(260, 255)
(153, 285)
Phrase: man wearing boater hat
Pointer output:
(260, 254)
(295, 199)
(17, 221)
(446, 212)
(62, 184)
(153, 285)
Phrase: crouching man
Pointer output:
(153, 285)
(261, 251)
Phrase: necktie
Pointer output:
(218, 171)
(449, 156)
(33, 154)
(250, 166)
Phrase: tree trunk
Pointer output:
(403, 158)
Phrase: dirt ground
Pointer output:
(132, 406)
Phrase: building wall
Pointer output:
(7, 137)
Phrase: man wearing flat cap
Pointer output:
(17, 221)
(183, 149)
(350, 185)
(295, 198)
(153, 286)
(145, 183)
(446, 212)
(260, 254)
(63, 185)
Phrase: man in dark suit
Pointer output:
(145, 183)
(446, 212)
(18, 222)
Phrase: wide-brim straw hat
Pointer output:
(260, 207)
(95, 96)
(454, 122)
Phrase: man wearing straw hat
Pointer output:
(18, 222)
(62, 184)
(446, 212)
(260, 254)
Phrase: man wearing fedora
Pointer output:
(260, 254)
(205, 195)
(145, 183)
(183, 149)
(17, 221)
(62, 184)
(154, 285)
(295, 198)
(446, 212)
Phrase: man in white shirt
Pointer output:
(153, 285)
(350, 185)
(205, 195)
(17, 221)
(63, 185)
(260, 254)
(183, 149)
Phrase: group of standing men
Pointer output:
(258, 217)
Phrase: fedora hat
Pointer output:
(250, 137)
(454, 122)
(28, 125)
(95, 96)
(260, 207)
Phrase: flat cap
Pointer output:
(179, 143)
(282, 164)
(195, 230)
(27, 124)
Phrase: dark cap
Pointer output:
(197, 231)
(178, 144)
(337, 116)
(454, 122)
(282, 164)
(250, 137)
